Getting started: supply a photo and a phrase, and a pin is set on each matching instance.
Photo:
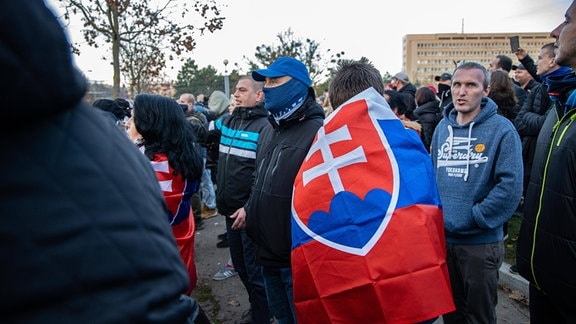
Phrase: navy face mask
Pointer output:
(284, 100)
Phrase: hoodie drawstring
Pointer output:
(451, 142)
(468, 151)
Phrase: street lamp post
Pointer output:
(226, 79)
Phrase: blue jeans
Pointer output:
(207, 188)
(243, 254)
(278, 283)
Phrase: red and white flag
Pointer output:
(367, 229)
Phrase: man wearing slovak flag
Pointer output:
(367, 230)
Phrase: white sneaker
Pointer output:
(225, 272)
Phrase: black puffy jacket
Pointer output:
(528, 122)
(83, 228)
(281, 150)
(546, 252)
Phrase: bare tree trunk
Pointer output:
(115, 52)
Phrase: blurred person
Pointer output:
(477, 156)
(546, 254)
(118, 110)
(295, 116)
(168, 138)
(444, 84)
(239, 133)
(202, 100)
(220, 108)
(428, 113)
(504, 63)
(346, 254)
(84, 227)
(198, 121)
(398, 105)
(326, 105)
(524, 79)
(501, 91)
(401, 83)
(533, 114)
(207, 192)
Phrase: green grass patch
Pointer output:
(203, 294)
(510, 243)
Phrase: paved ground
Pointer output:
(225, 301)
(229, 299)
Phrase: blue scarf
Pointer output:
(560, 84)
(284, 100)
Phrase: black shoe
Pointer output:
(222, 236)
(514, 269)
(222, 244)
(199, 224)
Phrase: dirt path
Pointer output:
(223, 301)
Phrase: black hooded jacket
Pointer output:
(546, 252)
(281, 150)
(84, 232)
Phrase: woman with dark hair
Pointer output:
(503, 93)
(168, 140)
(426, 113)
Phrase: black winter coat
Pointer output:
(428, 116)
(84, 232)
(528, 122)
(281, 150)
(408, 91)
(546, 252)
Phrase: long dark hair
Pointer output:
(503, 93)
(162, 124)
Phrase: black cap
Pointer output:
(519, 66)
(443, 76)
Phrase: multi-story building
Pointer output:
(427, 55)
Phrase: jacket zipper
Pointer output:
(571, 115)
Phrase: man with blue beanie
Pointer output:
(477, 156)
(295, 117)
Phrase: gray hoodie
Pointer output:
(479, 174)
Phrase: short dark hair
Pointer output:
(504, 62)
(396, 100)
(351, 78)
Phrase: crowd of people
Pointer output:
(368, 203)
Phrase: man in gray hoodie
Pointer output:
(477, 155)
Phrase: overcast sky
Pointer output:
(358, 27)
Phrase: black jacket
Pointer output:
(427, 115)
(546, 252)
(529, 121)
(84, 231)
(239, 133)
(408, 91)
(281, 150)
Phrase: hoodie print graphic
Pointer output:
(457, 153)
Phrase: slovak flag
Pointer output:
(367, 229)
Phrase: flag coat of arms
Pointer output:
(367, 230)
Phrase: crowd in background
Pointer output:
(101, 203)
